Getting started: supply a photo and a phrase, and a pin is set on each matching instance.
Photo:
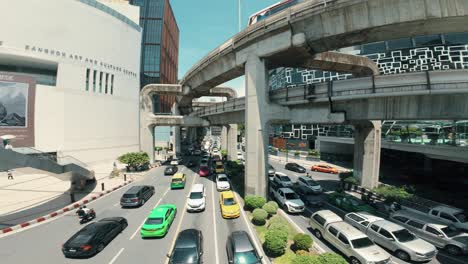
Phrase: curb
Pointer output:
(61, 211)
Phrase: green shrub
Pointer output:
(296, 153)
(270, 209)
(304, 259)
(275, 242)
(302, 242)
(253, 202)
(223, 152)
(302, 253)
(134, 159)
(259, 216)
(326, 258)
(393, 193)
(351, 180)
(275, 204)
(277, 222)
(313, 152)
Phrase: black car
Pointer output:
(309, 197)
(170, 170)
(240, 249)
(137, 195)
(295, 167)
(92, 238)
(188, 247)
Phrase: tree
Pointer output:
(134, 159)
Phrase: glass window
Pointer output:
(375, 228)
(448, 217)
(433, 231)
(333, 231)
(365, 223)
(355, 217)
(94, 80)
(430, 40)
(415, 224)
(400, 218)
(87, 79)
(456, 38)
(319, 219)
(397, 44)
(385, 233)
(107, 79)
(100, 82)
(377, 47)
(435, 212)
(112, 84)
(343, 239)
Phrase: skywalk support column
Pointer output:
(367, 143)
(224, 136)
(256, 123)
(176, 130)
(232, 142)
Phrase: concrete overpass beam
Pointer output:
(232, 142)
(367, 152)
(256, 122)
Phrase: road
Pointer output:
(42, 244)
(330, 182)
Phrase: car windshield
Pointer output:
(361, 242)
(248, 257)
(311, 183)
(219, 167)
(284, 178)
(176, 180)
(451, 231)
(229, 201)
(196, 195)
(461, 217)
(404, 235)
(185, 255)
(222, 179)
(81, 239)
(129, 195)
(291, 196)
(154, 221)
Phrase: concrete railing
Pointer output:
(237, 104)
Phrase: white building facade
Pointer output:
(85, 58)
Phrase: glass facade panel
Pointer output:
(112, 84)
(42, 76)
(403, 43)
(87, 79)
(107, 80)
(430, 40)
(94, 80)
(373, 47)
(456, 38)
(100, 82)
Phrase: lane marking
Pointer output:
(116, 204)
(180, 221)
(116, 256)
(214, 223)
(144, 220)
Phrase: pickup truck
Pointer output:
(286, 198)
(448, 215)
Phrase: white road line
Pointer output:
(180, 221)
(214, 223)
(116, 204)
(116, 256)
(139, 227)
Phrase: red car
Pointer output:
(324, 168)
(204, 171)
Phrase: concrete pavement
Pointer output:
(43, 243)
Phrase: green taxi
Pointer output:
(158, 222)
(178, 181)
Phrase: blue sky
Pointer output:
(205, 24)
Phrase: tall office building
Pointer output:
(160, 48)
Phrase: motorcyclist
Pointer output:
(86, 210)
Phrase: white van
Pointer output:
(196, 201)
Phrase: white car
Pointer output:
(282, 179)
(240, 156)
(196, 201)
(222, 182)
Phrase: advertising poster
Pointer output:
(17, 98)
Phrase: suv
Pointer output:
(393, 237)
(355, 244)
(440, 235)
(196, 199)
(188, 246)
(136, 196)
(282, 179)
(240, 249)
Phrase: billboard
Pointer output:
(17, 99)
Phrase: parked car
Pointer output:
(196, 200)
(446, 214)
(204, 171)
(349, 203)
(320, 219)
(286, 198)
(282, 179)
(324, 168)
(393, 237)
(170, 170)
(178, 181)
(188, 247)
(309, 197)
(295, 167)
(271, 171)
(229, 206)
(137, 195)
(92, 238)
(453, 240)
(158, 222)
(240, 249)
(222, 182)
(310, 184)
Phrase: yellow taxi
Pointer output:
(178, 181)
(229, 206)
(219, 167)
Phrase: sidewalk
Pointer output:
(306, 163)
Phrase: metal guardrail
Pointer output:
(61, 160)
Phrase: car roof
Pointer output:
(367, 216)
(280, 173)
(387, 225)
(329, 215)
(222, 175)
(187, 239)
(447, 209)
(227, 194)
(417, 217)
(159, 211)
(112, 219)
(197, 187)
(241, 241)
(286, 190)
(178, 175)
(134, 189)
(348, 230)
(305, 178)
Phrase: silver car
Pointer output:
(309, 184)
(434, 232)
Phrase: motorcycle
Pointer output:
(84, 218)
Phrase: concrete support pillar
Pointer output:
(224, 137)
(176, 130)
(147, 140)
(367, 141)
(256, 83)
(232, 142)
